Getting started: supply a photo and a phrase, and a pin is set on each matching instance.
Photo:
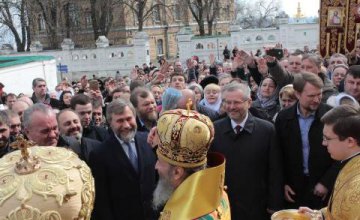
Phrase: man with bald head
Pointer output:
(41, 127)
(189, 94)
(19, 107)
(26, 99)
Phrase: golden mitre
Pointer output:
(185, 137)
(43, 183)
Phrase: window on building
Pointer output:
(259, 38)
(74, 14)
(160, 47)
(136, 20)
(41, 23)
(228, 12)
(88, 19)
(156, 13)
(177, 10)
(199, 46)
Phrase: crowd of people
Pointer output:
(266, 117)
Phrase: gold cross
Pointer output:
(189, 104)
(22, 144)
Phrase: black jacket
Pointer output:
(121, 193)
(253, 172)
(321, 167)
(95, 133)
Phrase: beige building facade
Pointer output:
(162, 25)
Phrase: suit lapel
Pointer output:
(122, 158)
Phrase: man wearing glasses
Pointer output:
(342, 139)
(253, 172)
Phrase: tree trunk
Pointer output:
(140, 23)
(201, 27)
(210, 27)
(94, 19)
(67, 20)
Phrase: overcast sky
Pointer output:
(308, 7)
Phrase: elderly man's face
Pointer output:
(165, 186)
(43, 129)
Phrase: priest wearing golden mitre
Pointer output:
(191, 183)
(341, 136)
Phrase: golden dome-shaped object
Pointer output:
(289, 214)
(43, 183)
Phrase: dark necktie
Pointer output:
(132, 156)
(238, 129)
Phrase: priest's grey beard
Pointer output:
(162, 193)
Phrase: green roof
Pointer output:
(13, 61)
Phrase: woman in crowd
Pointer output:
(65, 98)
(212, 97)
(339, 72)
(266, 102)
(287, 97)
(342, 99)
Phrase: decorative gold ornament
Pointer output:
(62, 188)
(185, 137)
(27, 164)
(290, 214)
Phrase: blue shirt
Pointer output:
(305, 124)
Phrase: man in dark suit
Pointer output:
(124, 168)
(70, 126)
(309, 170)
(253, 159)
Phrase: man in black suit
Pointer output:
(253, 158)
(124, 168)
(309, 170)
(82, 105)
(70, 126)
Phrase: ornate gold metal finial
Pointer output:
(27, 164)
(189, 104)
